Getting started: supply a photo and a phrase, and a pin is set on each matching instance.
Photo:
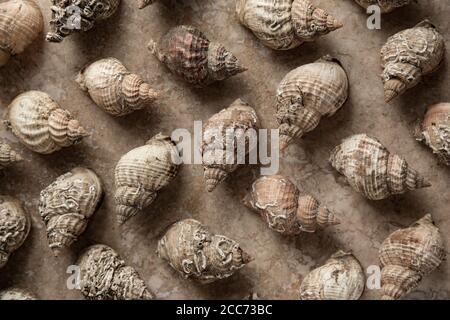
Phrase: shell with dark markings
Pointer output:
(8, 156)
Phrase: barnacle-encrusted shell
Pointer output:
(105, 276)
(141, 173)
(41, 124)
(308, 93)
(15, 225)
(69, 16)
(20, 24)
(7, 155)
(285, 209)
(67, 204)
(340, 278)
(187, 52)
(16, 294)
(285, 24)
(115, 89)
(408, 56)
(372, 170)
(191, 249)
(385, 5)
(408, 255)
(228, 128)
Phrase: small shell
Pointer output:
(285, 209)
(308, 93)
(408, 255)
(67, 204)
(16, 294)
(8, 156)
(143, 3)
(40, 123)
(372, 170)
(105, 276)
(15, 225)
(385, 5)
(340, 278)
(187, 52)
(115, 89)
(285, 24)
(191, 249)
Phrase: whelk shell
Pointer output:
(16, 294)
(8, 156)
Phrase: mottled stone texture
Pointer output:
(281, 262)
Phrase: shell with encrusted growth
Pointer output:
(385, 5)
(8, 156)
(16, 294)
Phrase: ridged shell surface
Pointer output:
(385, 5)
(16, 294)
(8, 156)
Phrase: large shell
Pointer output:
(191, 249)
(16, 294)
(408, 56)
(230, 126)
(115, 89)
(7, 155)
(70, 16)
(308, 93)
(67, 204)
(408, 255)
(340, 278)
(285, 24)
(41, 124)
(105, 276)
(21, 23)
(15, 225)
(141, 173)
(372, 170)
(285, 209)
(187, 52)
(385, 5)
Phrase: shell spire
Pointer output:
(8, 156)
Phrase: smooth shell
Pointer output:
(8, 156)
(385, 5)
(16, 294)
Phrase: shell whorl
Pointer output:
(8, 156)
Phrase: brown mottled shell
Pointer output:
(232, 124)
(41, 124)
(372, 170)
(67, 204)
(8, 156)
(285, 209)
(187, 52)
(340, 278)
(16, 294)
(385, 5)
(105, 276)
(408, 56)
(408, 255)
(285, 24)
(308, 93)
(21, 22)
(15, 224)
(191, 249)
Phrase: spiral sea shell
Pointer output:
(285, 24)
(16, 294)
(385, 5)
(7, 155)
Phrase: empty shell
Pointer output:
(385, 5)
(16, 294)
(7, 155)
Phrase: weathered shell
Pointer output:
(340, 278)
(21, 22)
(67, 204)
(105, 276)
(285, 24)
(8, 156)
(41, 124)
(15, 224)
(308, 93)
(408, 255)
(143, 3)
(385, 5)
(16, 294)
(434, 131)
(187, 52)
(408, 56)
(285, 209)
(230, 126)
(372, 170)
(75, 15)
(141, 173)
(191, 249)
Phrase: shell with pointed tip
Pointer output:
(15, 224)
(141, 173)
(408, 255)
(16, 294)
(308, 93)
(105, 276)
(385, 5)
(197, 254)
(340, 278)
(187, 52)
(115, 89)
(285, 24)
(21, 22)
(239, 120)
(67, 204)
(41, 124)
(408, 56)
(285, 209)
(7, 155)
